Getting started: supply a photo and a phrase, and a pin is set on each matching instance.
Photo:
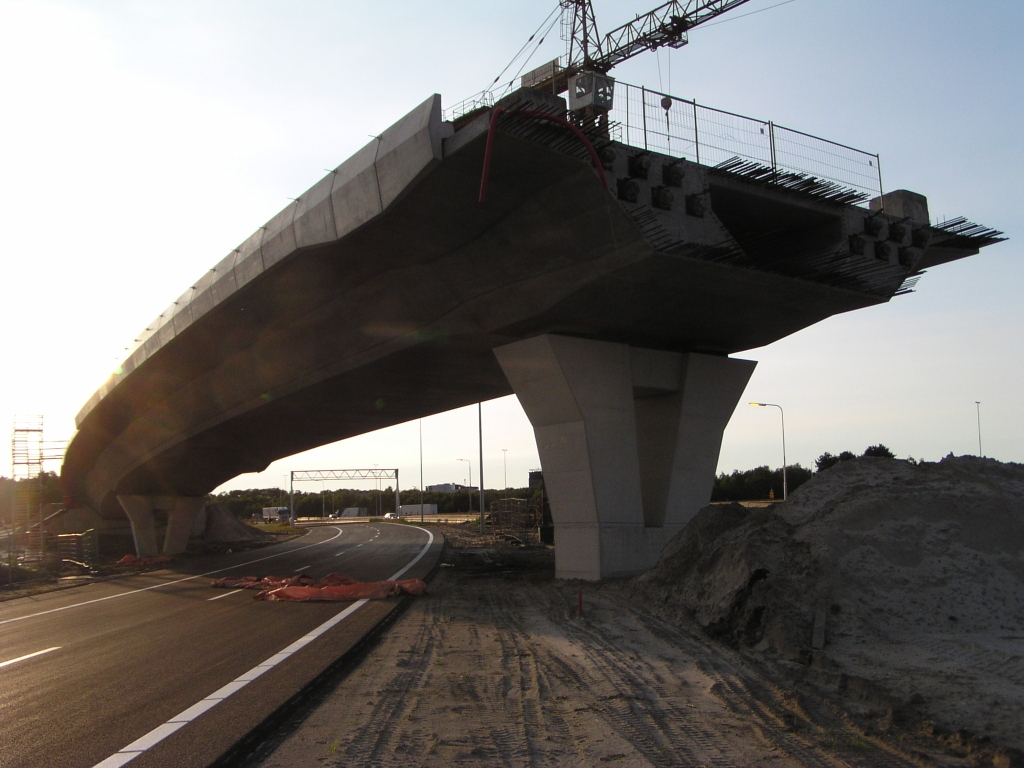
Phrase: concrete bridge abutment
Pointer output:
(629, 440)
(183, 512)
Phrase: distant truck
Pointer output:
(354, 512)
(276, 514)
(414, 509)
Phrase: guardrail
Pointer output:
(663, 123)
(439, 517)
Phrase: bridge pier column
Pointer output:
(182, 511)
(179, 522)
(628, 439)
(140, 514)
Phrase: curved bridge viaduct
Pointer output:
(386, 292)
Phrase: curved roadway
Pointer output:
(146, 669)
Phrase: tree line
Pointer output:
(47, 492)
(747, 485)
(250, 503)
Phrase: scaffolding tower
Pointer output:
(26, 537)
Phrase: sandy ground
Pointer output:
(493, 667)
(895, 588)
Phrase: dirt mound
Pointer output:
(223, 528)
(906, 576)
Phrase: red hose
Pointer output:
(497, 111)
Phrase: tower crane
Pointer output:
(589, 57)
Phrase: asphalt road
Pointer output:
(115, 661)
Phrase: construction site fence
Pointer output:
(659, 122)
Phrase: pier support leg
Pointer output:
(628, 439)
(179, 522)
(140, 513)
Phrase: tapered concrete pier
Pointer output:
(629, 441)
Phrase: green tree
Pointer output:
(758, 483)
(879, 451)
(827, 460)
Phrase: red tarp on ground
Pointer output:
(267, 582)
(333, 587)
(143, 561)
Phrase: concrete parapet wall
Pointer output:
(355, 192)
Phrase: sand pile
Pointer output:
(906, 577)
(224, 528)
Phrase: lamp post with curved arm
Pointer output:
(783, 415)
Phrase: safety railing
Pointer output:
(662, 123)
(471, 104)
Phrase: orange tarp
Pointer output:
(333, 587)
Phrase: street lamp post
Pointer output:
(291, 497)
(783, 415)
(376, 483)
(421, 471)
(977, 405)
(470, 486)
(504, 463)
(480, 423)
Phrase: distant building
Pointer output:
(536, 478)
(445, 488)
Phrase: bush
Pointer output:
(758, 483)
(879, 451)
(827, 460)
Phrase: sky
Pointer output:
(141, 142)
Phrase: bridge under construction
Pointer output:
(603, 259)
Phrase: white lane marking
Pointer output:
(27, 656)
(169, 583)
(161, 732)
(341, 553)
(359, 545)
(232, 592)
(301, 569)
